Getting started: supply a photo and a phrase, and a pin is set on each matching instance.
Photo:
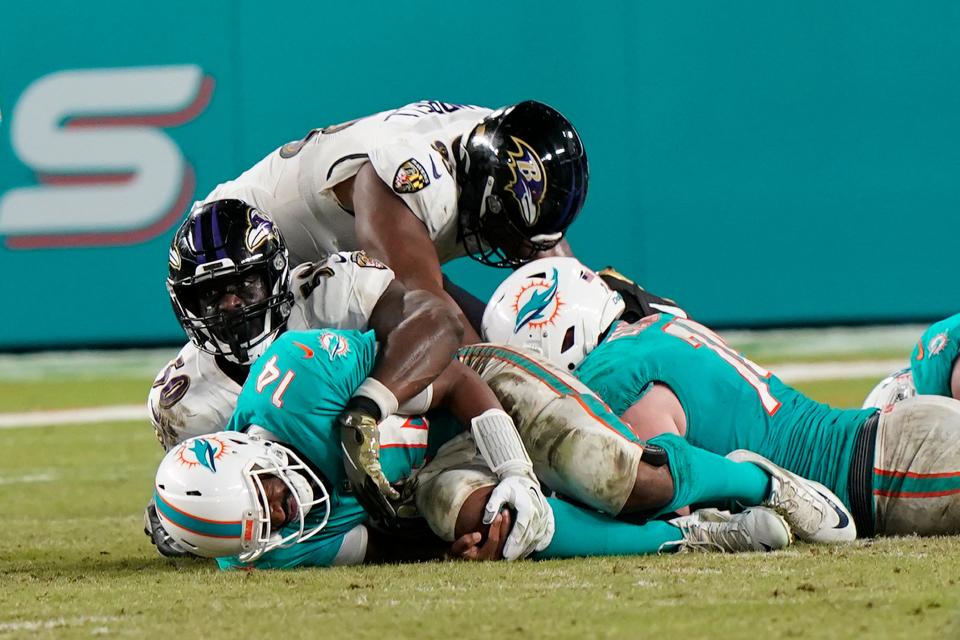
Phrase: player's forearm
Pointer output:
(462, 392)
(419, 348)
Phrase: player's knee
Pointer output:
(652, 490)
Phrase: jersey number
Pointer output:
(271, 374)
(698, 336)
(173, 387)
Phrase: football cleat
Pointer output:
(755, 529)
(813, 512)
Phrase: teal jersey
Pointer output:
(296, 390)
(933, 356)
(730, 403)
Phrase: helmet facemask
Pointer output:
(242, 334)
(522, 177)
(303, 485)
(227, 247)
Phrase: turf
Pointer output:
(30, 395)
(74, 563)
(839, 393)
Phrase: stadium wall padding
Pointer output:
(763, 163)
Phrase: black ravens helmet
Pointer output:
(229, 281)
(523, 179)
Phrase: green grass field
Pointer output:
(74, 563)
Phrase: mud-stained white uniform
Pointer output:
(916, 467)
(192, 396)
(578, 447)
(411, 148)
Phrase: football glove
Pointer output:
(533, 518)
(360, 446)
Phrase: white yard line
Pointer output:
(810, 371)
(788, 372)
(53, 623)
(120, 413)
(29, 478)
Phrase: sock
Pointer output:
(704, 478)
(581, 532)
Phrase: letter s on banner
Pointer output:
(108, 174)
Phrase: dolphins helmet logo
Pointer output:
(334, 344)
(529, 182)
(937, 343)
(259, 231)
(202, 452)
(537, 304)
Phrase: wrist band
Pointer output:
(419, 403)
(374, 390)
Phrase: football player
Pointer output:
(933, 368)
(183, 391)
(933, 362)
(233, 293)
(421, 185)
(898, 471)
(230, 495)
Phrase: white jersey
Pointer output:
(411, 149)
(192, 396)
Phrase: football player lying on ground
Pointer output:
(421, 185)
(293, 396)
(897, 471)
(233, 294)
(933, 369)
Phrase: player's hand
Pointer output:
(360, 445)
(533, 529)
(163, 541)
(473, 547)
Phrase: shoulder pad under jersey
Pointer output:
(339, 292)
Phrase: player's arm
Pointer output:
(657, 412)
(934, 359)
(955, 379)
(388, 230)
(418, 336)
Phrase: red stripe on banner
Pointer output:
(174, 119)
(910, 474)
(85, 179)
(118, 238)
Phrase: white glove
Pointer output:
(533, 528)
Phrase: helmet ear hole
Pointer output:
(569, 338)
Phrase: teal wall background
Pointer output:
(764, 163)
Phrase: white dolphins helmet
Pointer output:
(554, 306)
(211, 500)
